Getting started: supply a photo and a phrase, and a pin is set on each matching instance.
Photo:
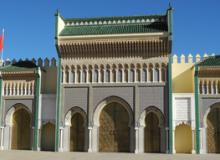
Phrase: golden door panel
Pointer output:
(183, 139)
(213, 131)
(21, 130)
(48, 137)
(77, 133)
(152, 134)
(114, 133)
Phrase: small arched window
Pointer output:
(102, 75)
(151, 74)
(90, 76)
(84, 75)
(107, 75)
(73, 76)
(67, 75)
(126, 75)
(119, 75)
(157, 75)
(78, 76)
(144, 75)
(113, 75)
(132, 76)
(96, 76)
(138, 77)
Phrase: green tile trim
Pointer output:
(197, 110)
(116, 18)
(114, 29)
(36, 111)
(210, 61)
(58, 106)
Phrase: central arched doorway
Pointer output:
(114, 131)
(183, 139)
(48, 137)
(77, 133)
(213, 130)
(21, 129)
(152, 133)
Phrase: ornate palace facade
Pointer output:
(115, 87)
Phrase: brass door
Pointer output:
(183, 139)
(48, 137)
(114, 134)
(77, 133)
(21, 130)
(213, 131)
(152, 134)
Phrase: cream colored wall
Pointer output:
(49, 79)
(183, 76)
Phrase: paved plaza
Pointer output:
(32, 155)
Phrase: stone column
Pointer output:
(136, 140)
(135, 75)
(104, 75)
(66, 138)
(193, 142)
(81, 75)
(99, 75)
(90, 139)
(141, 139)
(2, 138)
(95, 138)
(203, 87)
(116, 74)
(207, 87)
(216, 87)
(61, 139)
(122, 74)
(128, 74)
(160, 75)
(174, 148)
(212, 87)
(87, 76)
(70, 76)
(141, 74)
(153, 72)
(110, 74)
(75, 76)
(148, 74)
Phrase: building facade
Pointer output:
(115, 87)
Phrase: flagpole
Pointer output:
(3, 34)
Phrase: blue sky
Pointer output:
(29, 25)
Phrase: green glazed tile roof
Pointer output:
(211, 61)
(114, 25)
(21, 66)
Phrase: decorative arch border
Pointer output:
(107, 101)
(12, 110)
(94, 130)
(156, 111)
(215, 105)
(141, 125)
(71, 112)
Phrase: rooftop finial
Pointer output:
(57, 13)
(170, 6)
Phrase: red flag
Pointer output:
(1, 42)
